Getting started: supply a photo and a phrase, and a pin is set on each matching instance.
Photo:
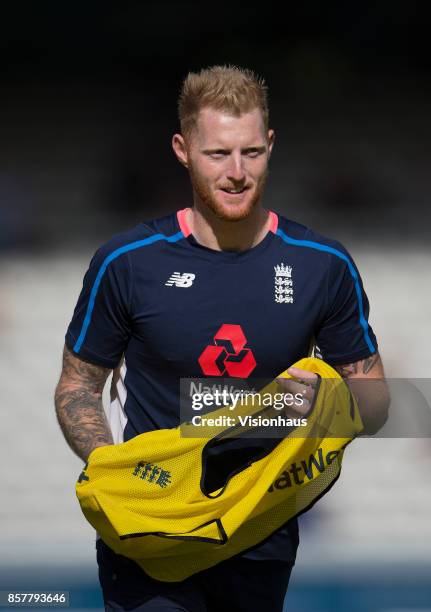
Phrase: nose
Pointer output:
(235, 171)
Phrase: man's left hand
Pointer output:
(303, 383)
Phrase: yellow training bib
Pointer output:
(177, 505)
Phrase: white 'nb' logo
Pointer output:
(181, 280)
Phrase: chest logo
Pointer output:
(228, 355)
(181, 280)
(283, 284)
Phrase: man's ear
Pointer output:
(271, 138)
(180, 149)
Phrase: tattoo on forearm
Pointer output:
(367, 383)
(369, 362)
(78, 401)
(362, 367)
(347, 369)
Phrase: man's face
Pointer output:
(227, 158)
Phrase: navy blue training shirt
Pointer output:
(157, 306)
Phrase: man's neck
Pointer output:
(220, 235)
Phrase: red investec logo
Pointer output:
(228, 355)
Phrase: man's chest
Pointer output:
(226, 319)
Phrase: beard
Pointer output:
(235, 211)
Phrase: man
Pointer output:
(223, 288)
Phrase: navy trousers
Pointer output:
(237, 584)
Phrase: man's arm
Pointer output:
(366, 380)
(78, 405)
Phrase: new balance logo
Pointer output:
(181, 280)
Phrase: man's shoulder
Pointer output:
(141, 234)
(295, 233)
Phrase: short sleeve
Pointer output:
(345, 335)
(100, 327)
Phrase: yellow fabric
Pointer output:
(144, 496)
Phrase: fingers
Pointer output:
(304, 386)
(295, 386)
(304, 382)
(303, 376)
(303, 394)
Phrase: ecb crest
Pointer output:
(283, 284)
